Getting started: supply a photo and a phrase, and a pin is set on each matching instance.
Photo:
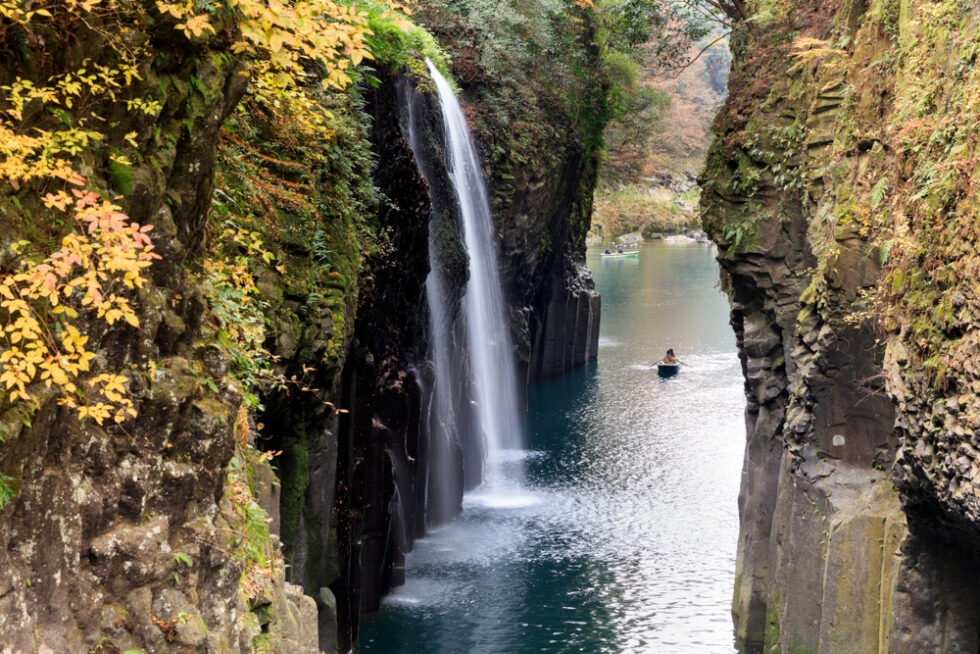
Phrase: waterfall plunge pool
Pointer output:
(622, 536)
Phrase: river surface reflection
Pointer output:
(623, 536)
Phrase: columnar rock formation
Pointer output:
(544, 221)
(838, 189)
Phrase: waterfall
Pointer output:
(484, 311)
(443, 483)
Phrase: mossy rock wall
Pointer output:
(836, 189)
(121, 539)
(128, 539)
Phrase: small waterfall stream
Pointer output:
(484, 311)
(442, 423)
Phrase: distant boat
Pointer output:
(628, 253)
(667, 369)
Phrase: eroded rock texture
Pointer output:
(120, 539)
(846, 253)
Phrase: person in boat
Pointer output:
(620, 250)
(669, 358)
(608, 251)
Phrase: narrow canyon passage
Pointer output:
(622, 537)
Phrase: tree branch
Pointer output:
(681, 69)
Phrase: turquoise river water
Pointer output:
(623, 536)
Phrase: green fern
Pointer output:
(884, 252)
(319, 245)
(879, 193)
(7, 492)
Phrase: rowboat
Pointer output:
(628, 253)
(667, 369)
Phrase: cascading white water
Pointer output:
(442, 501)
(487, 329)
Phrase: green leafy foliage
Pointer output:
(396, 46)
(121, 176)
(531, 70)
(7, 491)
(879, 192)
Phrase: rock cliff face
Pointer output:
(544, 210)
(556, 317)
(837, 189)
(123, 539)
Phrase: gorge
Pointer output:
(265, 284)
(623, 538)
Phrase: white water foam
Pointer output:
(487, 330)
(498, 498)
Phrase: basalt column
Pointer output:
(384, 461)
